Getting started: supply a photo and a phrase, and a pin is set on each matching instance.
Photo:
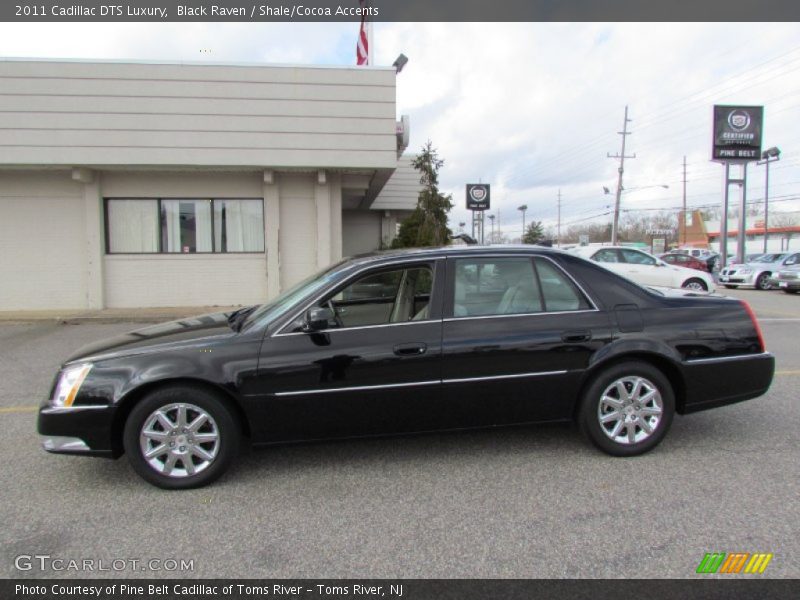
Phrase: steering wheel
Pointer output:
(336, 318)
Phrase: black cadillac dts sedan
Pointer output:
(411, 341)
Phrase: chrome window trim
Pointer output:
(359, 388)
(694, 361)
(280, 333)
(335, 329)
(533, 314)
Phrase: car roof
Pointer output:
(587, 249)
(437, 251)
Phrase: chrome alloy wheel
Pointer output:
(630, 410)
(695, 285)
(179, 434)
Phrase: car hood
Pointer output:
(681, 292)
(763, 263)
(686, 271)
(159, 337)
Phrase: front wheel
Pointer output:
(695, 284)
(180, 437)
(627, 409)
(762, 283)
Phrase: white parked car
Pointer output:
(646, 269)
(758, 273)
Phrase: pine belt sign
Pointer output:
(477, 196)
(737, 133)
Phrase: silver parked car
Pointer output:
(787, 280)
(758, 273)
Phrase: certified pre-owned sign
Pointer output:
(477, 196)
(737, 132)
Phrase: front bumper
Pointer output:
(785, 284)
(735, 279)
(80, 430)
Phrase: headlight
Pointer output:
(745, 271)
(69, 382)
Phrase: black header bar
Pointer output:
(400, 10)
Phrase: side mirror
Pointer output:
(317, 319)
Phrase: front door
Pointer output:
(375, 369)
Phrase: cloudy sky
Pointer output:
(529, 107)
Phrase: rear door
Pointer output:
(517, 334)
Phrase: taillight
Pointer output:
(755, 324)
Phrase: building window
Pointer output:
(184, 226)
(132, 226)
(239, 225)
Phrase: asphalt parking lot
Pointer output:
(526, 502)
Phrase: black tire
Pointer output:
(592, 406)
(788, 291)
(693, 282)
(762, 283)
(731, 287)
(221, 422)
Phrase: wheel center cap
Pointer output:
(181, 440)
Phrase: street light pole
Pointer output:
(523, 208)
(769, 155)
(492, 240)
(624, 133)
(558, 225)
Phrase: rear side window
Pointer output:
(606, 256)
(512, 285)
(558, 290)
(636, 258)
(495, 286)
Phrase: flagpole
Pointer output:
(370, 47)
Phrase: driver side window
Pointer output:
(388, 296)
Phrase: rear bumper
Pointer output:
(78, 430)
(713, 382)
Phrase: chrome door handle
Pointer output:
(410, 349)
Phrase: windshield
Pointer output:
(769, 258)
(267, 313)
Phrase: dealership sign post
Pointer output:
(737, 140)
(478, 196)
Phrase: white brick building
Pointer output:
(133, 184)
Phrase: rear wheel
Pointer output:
(627, 409)
(180, 437)
(762, 282)
(695, 284)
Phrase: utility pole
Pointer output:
(491, 239)
(684, 201)
(558, 226)
(522, 209)
(624, 133)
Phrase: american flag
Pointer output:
(362, 47)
